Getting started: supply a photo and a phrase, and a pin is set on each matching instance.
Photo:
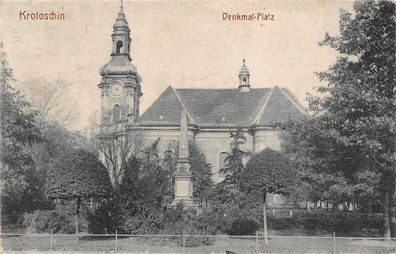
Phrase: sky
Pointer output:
(186, 44)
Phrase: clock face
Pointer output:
(117, 89)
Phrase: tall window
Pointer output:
(119, 46)
(222, 164)
(116, 113)
(244, 81)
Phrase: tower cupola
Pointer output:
(120, 35)
(244, 76)
(120, 84)
(120, 63)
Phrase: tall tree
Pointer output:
(76, 175)
(354, 119)
(18, 132)
(201, 174)
(362, 89)
(234, 160)
(115, 150)
(52, 100)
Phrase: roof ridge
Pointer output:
(181, 102)
(260, 88)
(261, 112)
(291, 100)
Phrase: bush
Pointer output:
(43, 221)
(342, 223)
(184, 228)
(179, 221)
(243, 226)
(106, 219)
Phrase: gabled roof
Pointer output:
(223, 107)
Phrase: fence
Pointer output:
(193, 243)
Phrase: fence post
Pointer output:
(184, 243)
(334, 243)
(257, 243)
(52, 240)
(116, 243)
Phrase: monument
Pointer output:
(183, 183)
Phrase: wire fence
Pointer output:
(123, 243)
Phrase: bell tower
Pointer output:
(244, 76)
(120, 84)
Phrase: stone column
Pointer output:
(183, 183)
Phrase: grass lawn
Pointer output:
(67, 243)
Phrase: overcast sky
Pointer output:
(183, 44)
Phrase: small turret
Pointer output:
(244, 76)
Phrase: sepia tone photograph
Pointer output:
(233, 127)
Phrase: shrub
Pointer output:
(185, 228)
(43, 221)
(106, 219)
(342, 223)
(179, 221)
(243, 226)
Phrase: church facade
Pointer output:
(211, 113)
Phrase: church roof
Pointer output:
(223, 107)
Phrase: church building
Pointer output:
(211, 113)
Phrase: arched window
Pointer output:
(119, 46)
(222, 163)
(244, 81)
(116, 113)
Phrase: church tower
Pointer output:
(244, 75)
(120, 84)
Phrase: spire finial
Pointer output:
(122, 6)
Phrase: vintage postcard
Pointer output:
(198, 126)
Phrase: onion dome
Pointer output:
(118, 65)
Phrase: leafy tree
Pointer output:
(361, 87)
(144, 191)
(201, 174)
(18, 132)
(268, 171)
(352, 139)
(327, 166)
(234, 160)
(77, 175)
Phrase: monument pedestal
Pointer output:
(183, 185)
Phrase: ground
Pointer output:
(150, 244)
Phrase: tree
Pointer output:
(52, 100)
(77, 175)
(361, 89)
(268, 171)
(18, 132)
(352, 137)
(116, 149)
(234, 160)
(144, 191)
(201, 174)
(327, 165)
